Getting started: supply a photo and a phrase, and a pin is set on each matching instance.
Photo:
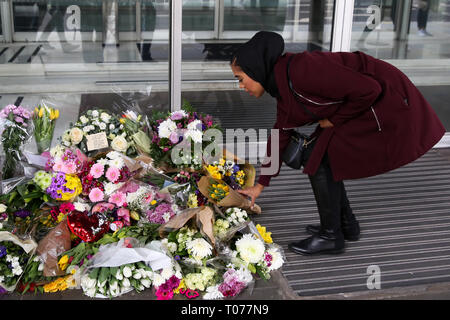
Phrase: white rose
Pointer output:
(76, 135)
(3, 208)
(105, 117)
(95, 113)
(84, 120)
(119, 144)
(102, 126)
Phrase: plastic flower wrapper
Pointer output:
(222, 195)
(22, 207)
(16, 130)
(14, 257)
(44, 119)
(118, 268)
(136, 127)
(33, 277)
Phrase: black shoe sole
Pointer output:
(334, 251)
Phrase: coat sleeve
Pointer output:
(284, 137)
(322, 75)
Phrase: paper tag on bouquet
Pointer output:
(97, 141)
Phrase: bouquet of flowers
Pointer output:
(44, 119)
(64, 187)
(14, 256)
(232, 221)
(115, 281)
(106, 128)
(15, 131)
(234, 281)
(136, 127)
(180, 127)
(229, 172)
(256, 256)
(103, 176)
(65, 160)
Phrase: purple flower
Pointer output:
(2, 251)
(2, 290)
(22, 213)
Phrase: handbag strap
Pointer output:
(312, 115)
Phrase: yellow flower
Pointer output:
(153, 202)
(60, 217)
(51, 287)
(41, 112)
(70, 281)
(213, 195)
(267, 236)
(182, 285)
(63, 263)
(122, 121)
(222, 162)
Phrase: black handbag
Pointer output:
(293, 154)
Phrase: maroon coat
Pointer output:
(382, 121)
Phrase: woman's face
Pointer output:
(254, 88)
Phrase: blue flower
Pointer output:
(22, 213)
(2, 251)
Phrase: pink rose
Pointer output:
(112, 174)
(96, 195)
(97, 170)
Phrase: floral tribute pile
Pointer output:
(110, 213)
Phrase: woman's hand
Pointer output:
(325, 123)
(252, 192)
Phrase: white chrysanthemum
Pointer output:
(213, 293)
(250, 249)
(199, 248)
(113, 155)
(117, 162)
(195, 135)
(166, 128)
(111, 187)
(277, 259)
(166, 273)
(158, 279)
(195, 125)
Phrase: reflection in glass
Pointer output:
(392, 29)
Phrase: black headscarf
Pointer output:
(258, 56)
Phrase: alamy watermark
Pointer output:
(374, 279)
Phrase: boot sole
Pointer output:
(334, 251)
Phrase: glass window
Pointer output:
(392, 29)
(93, 49)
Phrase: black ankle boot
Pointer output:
(351, 231)
(327, 193)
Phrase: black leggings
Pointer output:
(329, 194)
